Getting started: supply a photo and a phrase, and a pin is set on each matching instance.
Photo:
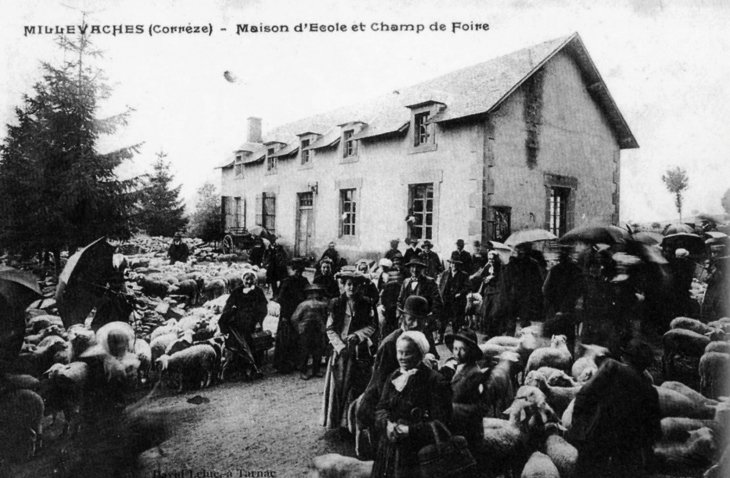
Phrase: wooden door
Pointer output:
(305, 224)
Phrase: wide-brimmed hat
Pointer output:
(312, 288)
(350, 272)
(177, 234)
(416, 262)
(639, 352)
(326, 260)
(460, 242)
(426, 243)
(396, 240)
(455, 258)
(469, 337)
(415, 306)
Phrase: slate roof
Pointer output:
(471, 91)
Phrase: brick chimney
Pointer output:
(254, 130)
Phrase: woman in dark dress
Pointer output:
(245, 310)
(350, 323)
(413, 396)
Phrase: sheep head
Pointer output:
(164, 362)
(559, 341)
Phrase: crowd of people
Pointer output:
(377, 325)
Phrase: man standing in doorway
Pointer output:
(454, 285)
(464, 256)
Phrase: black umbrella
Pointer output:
(17, 290)
(84, 280)
(678, 229)
(262, 232)
(647, 237)
(596, 235)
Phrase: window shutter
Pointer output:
(223, 211)
(341, 209)
(259, 210)
(271, 211)
(245, 224)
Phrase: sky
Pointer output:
(665, 64)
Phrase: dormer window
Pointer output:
(423, 130)
(238, 166)
(349, 145)
(305, 152)
(270, 161)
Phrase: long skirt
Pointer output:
(346, 378)
(285, 350)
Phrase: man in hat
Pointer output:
(308, 322)
(454, 285)
(275, 259)
(327, 279)
(716, 303)
(291, 294)
(520, 290)
(413, 251)
(390, 253)
(419, 284)
(389, 300)
(434, 267)
(469, 395)
(413, 317)
(178, 251)
(464, 256)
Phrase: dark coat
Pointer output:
(290, 295)
(363, 317)
(466, 260)
(717, 297)
(390, 254)
(434, 266)
(178, 252)
(311, 315)
(275, 260)
(251, 309)
(426, 288)
(521, 290)
(427, 391)
(411, 254)
(329, 282)
(562, 288)
(454, 289)
(469, 403)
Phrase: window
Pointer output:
(349, 147)
(558, 210)
(270, 161)
(348, 212)
(238, 167)
(266, 211)
(502, 224)
(420, 209)
(422, 131)
(305, 152)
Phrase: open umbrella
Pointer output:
(84, 280)
(647, 237)
(503, 250)
(263, 233)
(529, 235)
(692, 242)
(17, 290)
(596, 235)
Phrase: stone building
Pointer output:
(530, 139)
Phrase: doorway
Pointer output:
(305, 223)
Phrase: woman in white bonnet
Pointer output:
(413, 397)
(245, 310)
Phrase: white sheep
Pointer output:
(567, 418)
(674, 404)
(501, 383)
(143, 351)
(169, 327)
(557, 397)
(563, 455)
(504, 445)
(540, 466)
(62, 391)
(21, 431)
(698, 449)
(718, 346)
(591, 353)
(159, 344)
(690, 324)
(193, 366)
(714, 371)
(333, 465)
(556, 356)
(116, 338)
(686, 343)
(678, 428)
(688, 392)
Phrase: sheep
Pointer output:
(589, 360)
(539, 465)
(218, 344)
(333, 465)
(40, 322)
(548, 372)
(678, 428)
(698, 450)
(720, 347)
(681, 341)
(9, 381)
(691, 324)
(48, 332)
(21, 413)
(721, 469)
(122, 369)
(715, 374)
(62, 391)
(171, 326)
(159, 344)
(562, 379)
(188, 288)
(37, 362)
(674, 404)
(143, 351)
(81, 339)
(688, 392)
(501, 382)
(563, 455)
(154, 288)
(184, 341)
(567, 418)
(504, 341)
(504, 446)
(556, 356)
(214, 288)
(557, 397)
(194, 366)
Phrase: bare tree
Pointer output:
(677, 182)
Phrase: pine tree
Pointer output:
(206, 221)
(162, 213)
(57, 190)
(677, 181)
